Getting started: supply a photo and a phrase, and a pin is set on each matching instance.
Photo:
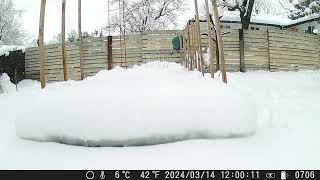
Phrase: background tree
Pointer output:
(147, 15)
(11, 32)
(304, 8)
(267, 7)
(245, 8)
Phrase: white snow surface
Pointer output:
(287, 136)
(5, 49)
(154, 103)
(5, 85)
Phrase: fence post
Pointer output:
(220, 42)
(181, 47)
(198, 36)
(41, 48)
(63, 43)
(110, 61)
(209, 39)
(241, 41)
(82, 75)
(268, 50)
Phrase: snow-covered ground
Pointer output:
(287, 136)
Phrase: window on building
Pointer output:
(310, 30)
(221, 26)
(257, 29)
(252, 28)
(227, 27)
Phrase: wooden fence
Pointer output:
(146, 47)
(274, 50)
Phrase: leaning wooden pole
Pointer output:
(220, 42)
(189, 47)
(41, 48)
(212, 69)
(63, 43)
(198, 30)
(80, 40)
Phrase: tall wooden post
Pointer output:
(80, 40)
(241, 41)
(196, 40)
(220, 42)
(189, 48)
(193, 45)
(63, 43)
(41, 48)
(110, 58)
(212, 69)
(198, 29)
(181, 48)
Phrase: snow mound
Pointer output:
(5, 85)
(150, 104)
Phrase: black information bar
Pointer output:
(160, 175)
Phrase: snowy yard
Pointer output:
(286, 107)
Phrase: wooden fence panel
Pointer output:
(256, 50)
(292, 51)
(140, 48)
(157, 46)
(232, 49)
(133, 50)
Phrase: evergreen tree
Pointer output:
(304, 8)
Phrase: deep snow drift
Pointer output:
(151, 104)
(287, 136)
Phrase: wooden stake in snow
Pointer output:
(80, 41)
(198, 30)
(63, 43)
(41, 48)
(212, 69)
(189, 47)
(220, 42)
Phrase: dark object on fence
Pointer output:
(110, 60)
(176, 43)
(2, 64)
(13, 65)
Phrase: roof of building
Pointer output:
(268, 19)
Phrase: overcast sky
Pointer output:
(94, 15)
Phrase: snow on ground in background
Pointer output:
(149, 104)
(5, 49)
(5, 85)
(287, 137)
